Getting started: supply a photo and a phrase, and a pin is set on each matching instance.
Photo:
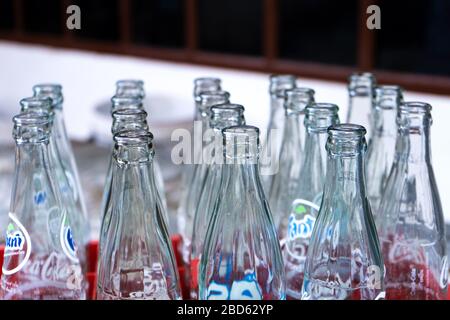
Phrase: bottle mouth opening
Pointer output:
(362, 76)
(130, 83)
(347, 131)
(245, 132)
(322, 109)
(51, 91)
(133, 138)
(36, 103)
(296, 99)
(210, 98)
(227, 108)
(125, 102)
(31, 119)
(415, 107)
(282, 78)
(130, 114)
(205, 84)
(226, 115)
(206, 81)
(280, 83)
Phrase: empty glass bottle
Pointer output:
(361, 90)
(78, 224)
(300, 194)
(190, 197)
(291, 154)
(40, 258)
(133, 118)
(381, 151)
(344, 260)
(272, 143)
(137, 261)
(221, 117)
(241, 259)
(410, 221)
(62, 144)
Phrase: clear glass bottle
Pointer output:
(361, 90)
(221, 117)
(272, 143)
(78, 224)
(62, 143)
(137, 261)
(291, 154)
(242, 258)
(123, 120)
(190, 198)
(410, 221)
(344, 259)
(300, 194)
(381, 151)
(40, 258)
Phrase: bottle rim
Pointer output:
(130, 83)
(322, 108)
(51, 91)
(133, 137)
(31, 119)
(347, 130)
(129, 114)
(415, 107)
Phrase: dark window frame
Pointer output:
(269, 62)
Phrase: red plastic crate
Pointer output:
(92, 254)
(92, 267)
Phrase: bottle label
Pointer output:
(66, 239)
(18, 243)
(246, 289)
(302, 219)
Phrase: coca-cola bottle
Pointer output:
(40, 258)
(410, 220)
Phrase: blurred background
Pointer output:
(168, 43)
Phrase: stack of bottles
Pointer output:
(321, 208)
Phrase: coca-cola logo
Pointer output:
(54, 267)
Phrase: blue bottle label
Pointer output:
(18, 243)
(246, 289)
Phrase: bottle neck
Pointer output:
(413, 146)
(345, 172)
(346, 175)
(316, 157)
(384, 121)
(134, 190)
(292, 130)
(242, 178)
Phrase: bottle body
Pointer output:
(41, 259)
(242, 257)
(410, 221)
(137, 261)
(344, 260)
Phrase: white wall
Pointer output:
(89, 78)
